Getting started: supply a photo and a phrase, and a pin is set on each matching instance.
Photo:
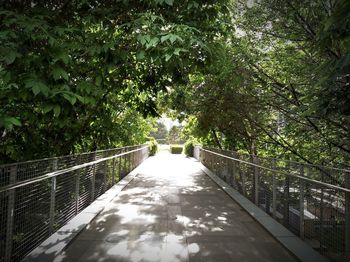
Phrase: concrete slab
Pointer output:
(50, 248)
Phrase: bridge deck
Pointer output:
(172, 211)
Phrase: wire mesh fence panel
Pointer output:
(38, 197)
(3, 224)
(100, 179)
(30, 218)
(33, 169)
(310, 200)
(5, 174)
(64, 200)
(85, 187)
(332, 175)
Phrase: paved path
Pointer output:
(172, 212)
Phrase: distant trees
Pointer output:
(160, 133)
(175, 135)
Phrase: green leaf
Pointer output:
(140, 55)
(37, 87)
(56, 110)
(144, 39)
(14, 121)
(71, 98)
(98, 80)
(177, 51)
(81, 98)
(154, 41)
(64, 57)
(59, 72)
(167, 57)
(36, 90)
(173, 38)
(169, 2)
(8, 55)
(47, 108)
(8, 122)
(164, 38)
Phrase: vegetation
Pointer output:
(160, 133)
(82, 75)
(153, 147)
(279, 85)
(188, 147)
(176, 149)
(265, 77)
(174, 136)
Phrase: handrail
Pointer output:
(295, 162)
(282, 172)
(63, 171)
(58, 157)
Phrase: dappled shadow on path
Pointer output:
(171, 211)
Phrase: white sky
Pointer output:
(168, 122)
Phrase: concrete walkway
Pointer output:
(172, 211)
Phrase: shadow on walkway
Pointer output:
(172, 211)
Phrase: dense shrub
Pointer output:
(188, 147)
(175, 149)
(153, 147)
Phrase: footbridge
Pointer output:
(122, 205)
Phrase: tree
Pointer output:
(174, 136)
(277, 66)
(161, 132)
(70, 70)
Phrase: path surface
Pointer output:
(172, 211)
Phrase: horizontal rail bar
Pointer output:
(59, 157)
(282, 172)
(297, 162)
(64, 171)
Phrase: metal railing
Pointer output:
(38, 197)
(315, 210)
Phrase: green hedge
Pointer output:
(188, 147)
(175, 149)
(153, 147)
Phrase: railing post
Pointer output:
(10, 214)
(93, 183)
(132, 160)
(286, 201)
(274, 189)
(347, 217)
(77, 187)
(125, 168)
(256, 180)
(321, 214)
(53, 198)
(301, 204)
(119, 168)
(243, 181)
(52, 204)
(113, 172)
(234, 171)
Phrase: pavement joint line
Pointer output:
(291, 242)
(59, 241)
